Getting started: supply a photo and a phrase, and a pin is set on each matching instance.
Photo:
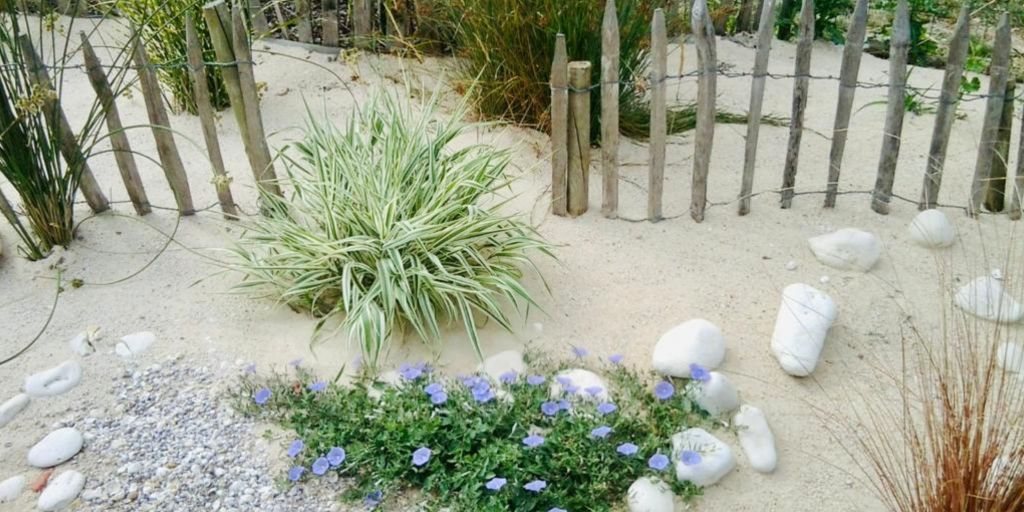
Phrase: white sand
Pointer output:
(616, 287)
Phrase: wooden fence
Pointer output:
(360, 20)
(571, 148)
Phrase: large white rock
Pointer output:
(12, 407)
(716, 396)
(11, 488)
(650, 494)
(56, 380)
(847, 249)
(503, 362)
(805, 316)
(984, 297)
(716, 458)
(581, 380)
(932, 229)
(61, 491)
(695, 341)
(756, 438)
(57, 447)
(1011, 357)
(134, 344)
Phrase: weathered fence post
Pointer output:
(722, 16)
(160, 123)
(659, 120)
(559, 128)
(362, 24)
(1018, 189)
(995, 197)
(895, 109)
(707, 65)
(764, 47)
(304, 25)
(258, 19)
(852, 52)
(579, 137)
(999, 72)
(118, 139)
(610, 111)
(329, 22)
(69, 146)
(946, 112)
(743, 20)
(207, 119)
(800, 89)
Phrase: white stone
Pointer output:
(503, 362)
(716, 458)
(791, 265)
(695, 341)
(804, 318)
(12, 407)
(717, 396)
(824, 280)
(1011, 357)
(581, 380)
(649, 494)
(847, 249)
(80, 344)
(984, 297)
(134, 344)
(56, 380)
(756, 438)
(61, 491)
(932, 229)
(11, 488)
(57, 447)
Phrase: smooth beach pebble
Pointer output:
(1011, 357)
(696, 341)
(57, 447)
(756, 438)
(650, 494)
(717, 396)
(134, 344)
(804, 318)
(11, 488)
(503, 362)
(61, 491)
(847, 249)
(985, 298)
(81, 345)
(56, 380)
(708, 460)
(581, 380)
(932, 229)
(12, 407)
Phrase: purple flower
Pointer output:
(536, 486)
(564, 405)
(600, 432)
(606, 408)
(261, 396)
(556, 509)
(411, 372)
(481, 390)
(439, 398)
(580, 351)
(295, 473)
(594, 390)
(295, 362)
(296, 447)
(318, 386)
(373, 499)
(571, 389)
(627, 449)
(658, 462)
(250, 368)
(508, 377)
(699, 373)
(320, 466)
(690, 457)
(434, 388)
(495, 484)
(336, 456)
(564, 381)
(616, 358)
(421, 456)
(535, 380)
(533, 441)
(664, 390)
(550, 408)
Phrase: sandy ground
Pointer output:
(616, 286)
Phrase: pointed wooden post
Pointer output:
(895, 109)
(800, 90)
(1018, 189)
(659, 120)
(362, 24)
(743, 20)
(579, 137)
(610, 111)
(995, 196)
(707, 65)
(852, 52)
(999, 72)
(764, 46)
(258, 19)
(559, 128)
(259, 149)
(329, 22)
(304, 24)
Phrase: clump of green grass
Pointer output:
(389, 227)
(474, 436)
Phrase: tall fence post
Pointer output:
(707, 66)
(999, 72)
(852, 53)
(362, 24)
(610, 111)
(743, 20)
(258, 19)
(895, 110)
(800, 90)
(579, 137)
(559, 128)
(945, 115)
(764, 47)
(304, 25)
(659, 126)
(1018, 189)
(995, 196)
(329, 22)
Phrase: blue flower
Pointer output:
(580, 351)
(508, 377)
(434, 387)
(616, 358)
(601, 432)
(411, 372)
(536, 486)
(495, 484)
(533, 441)
(699, 373)
(295, 473)
(336, 456)
(295, 362)
(556, 509)
(318, 386)
(421, 456)
(606, 408)
(564, 405)
(594, 390)
(439, 398)
(261, 396)
(690, 457)
(550, 408)
(627, 449)
(373, 499)
(535, 380)
(481, 390)
(320, 466)
(296, 447)
(664, 390)
(658, 462)
(250, 368)
(564, 381)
